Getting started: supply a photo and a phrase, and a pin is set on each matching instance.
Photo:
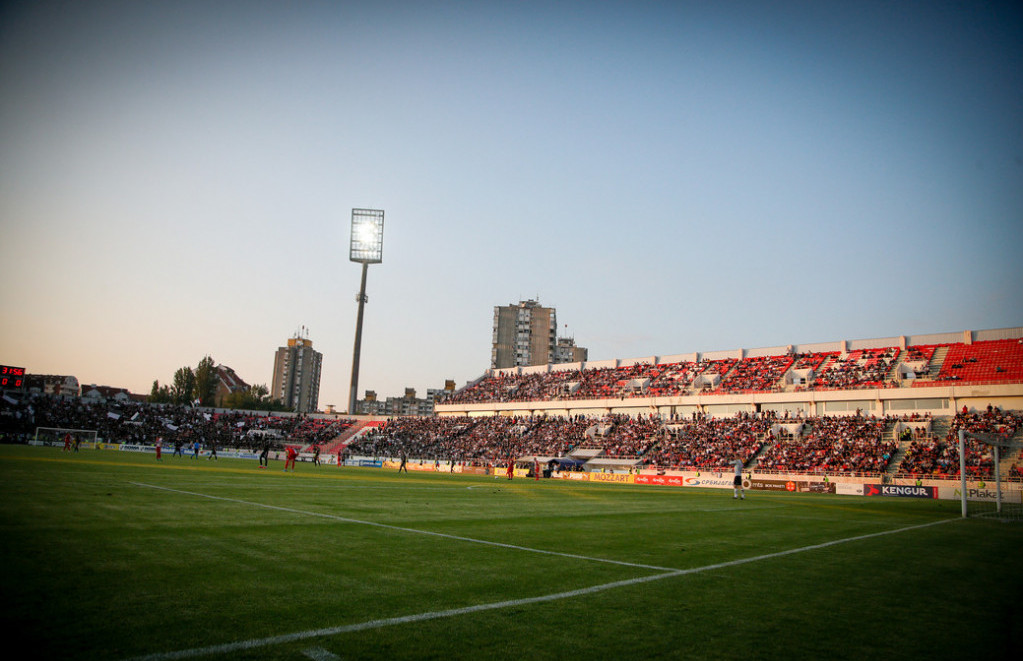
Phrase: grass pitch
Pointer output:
(111, 555)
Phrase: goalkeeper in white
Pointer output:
(738, 491)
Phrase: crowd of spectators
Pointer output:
(712, 444)
(142, 423)
(761, 374)
(854, 444)
(940, 456)
(625, 437)
(986, 361)
(862, 368)
(812, 361)
(476, 441)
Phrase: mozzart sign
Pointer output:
(899, 491)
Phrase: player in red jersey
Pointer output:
(292, 455)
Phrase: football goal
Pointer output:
(997, 498)
(56, 436)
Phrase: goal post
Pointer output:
(998, 499)
(56, 435)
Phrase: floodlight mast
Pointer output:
(367, 247)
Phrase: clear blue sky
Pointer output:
(177, 179)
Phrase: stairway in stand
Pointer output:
(332, 446)
(937, 362)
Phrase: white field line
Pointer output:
(459, 538)
(257, 643)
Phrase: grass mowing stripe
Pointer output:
(344, 519)
(467, 610)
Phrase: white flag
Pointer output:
(111, 414)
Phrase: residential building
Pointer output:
(52, 384)
(568, 352)
(407, 405)
(228, 382)
(296, 380)
(524, 334)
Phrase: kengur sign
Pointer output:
(900, 491)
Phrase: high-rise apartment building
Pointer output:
(568, 352)
(524, 334)
(296, 380)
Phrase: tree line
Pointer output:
(198, 387)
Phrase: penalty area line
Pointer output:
(257, 643)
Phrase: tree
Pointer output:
(160, 394)
(206, 382)
(256, 398)
(183, 390)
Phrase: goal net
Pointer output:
(56, 436)
(999, 495)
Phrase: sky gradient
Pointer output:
(177, 179)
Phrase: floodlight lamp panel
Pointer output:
(367, 244)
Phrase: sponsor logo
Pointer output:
(705, 482)
(609, 477)
(672, 480)
(900, 491)
(774, 485)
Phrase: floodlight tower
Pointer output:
(367, 247)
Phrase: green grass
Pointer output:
(109, 555)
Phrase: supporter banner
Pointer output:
(900, 491)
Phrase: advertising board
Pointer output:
(899, 491)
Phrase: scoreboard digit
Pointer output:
(12, 377)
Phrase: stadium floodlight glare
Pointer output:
(367, 247)
(367, 244)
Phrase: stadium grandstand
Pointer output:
(887, 408)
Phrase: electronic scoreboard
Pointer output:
(12, 377)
